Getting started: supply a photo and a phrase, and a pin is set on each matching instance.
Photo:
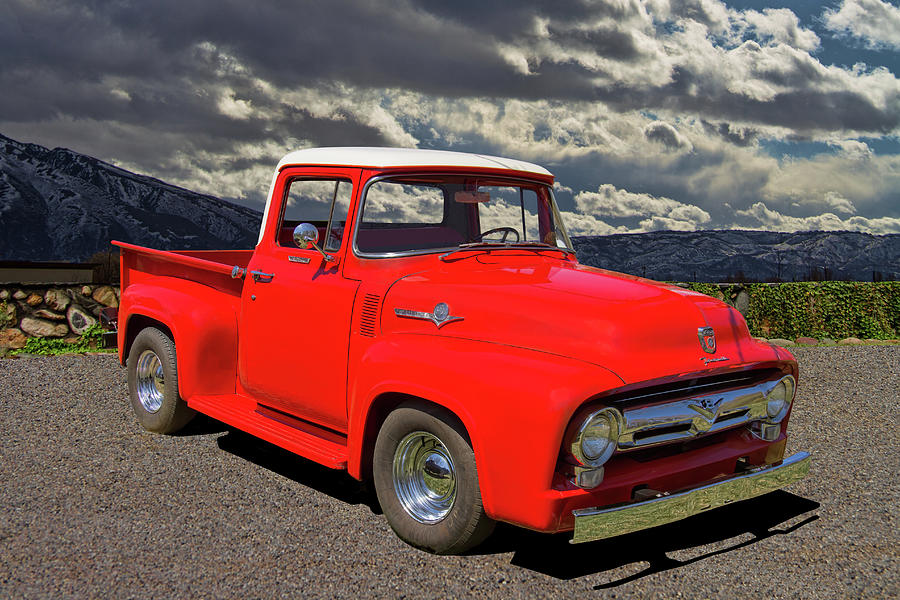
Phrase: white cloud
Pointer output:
(558, 187)
(835, 182)
(657, 212)
(854, 149)
(835, 201)
(773, 220)
(665, 224)
(581, 224)
(667, 135)
(778, 25)
(609, 201)
(875, 22)
(120, 94)
(233, 107)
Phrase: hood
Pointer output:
(637, 328)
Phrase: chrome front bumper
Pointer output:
(600, 523)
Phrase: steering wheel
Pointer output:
(506, 231)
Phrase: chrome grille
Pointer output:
(686, 418)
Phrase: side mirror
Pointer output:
(306, 235)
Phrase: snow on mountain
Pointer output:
(62, 205)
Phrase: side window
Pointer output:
(322, 202)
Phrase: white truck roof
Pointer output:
(404, 157)
(394, 157)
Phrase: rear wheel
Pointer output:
(427, 482)
(153, 383)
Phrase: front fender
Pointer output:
(203, 322)
(514, 403)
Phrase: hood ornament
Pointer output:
(440, 316)
(707, 337)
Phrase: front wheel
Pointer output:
(153, 383)
(426, 481)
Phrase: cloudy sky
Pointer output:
(653, 114)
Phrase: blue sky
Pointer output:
(653, 114)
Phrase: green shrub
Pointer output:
(835, 309)
(91, 339)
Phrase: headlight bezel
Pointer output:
(613, 419)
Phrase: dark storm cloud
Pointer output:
(367, 44)
(512, 20)
(221, 88)
(802, 110)
(604, 41)
(59, 60)
(432, 47)
(64, 62)
(736, 135)
(343, 131)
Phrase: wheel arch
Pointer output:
(137, 322)
(379, 409)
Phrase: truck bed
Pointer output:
(208, 267)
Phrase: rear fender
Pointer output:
(203, 322)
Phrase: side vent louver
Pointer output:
(368, 316)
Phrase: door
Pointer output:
(295, 314)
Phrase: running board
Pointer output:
(243, 413)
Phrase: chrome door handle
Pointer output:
(261, 277)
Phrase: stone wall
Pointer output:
(51, 311)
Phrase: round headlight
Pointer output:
(779, 398)
(597, 437)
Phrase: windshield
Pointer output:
(438, 212)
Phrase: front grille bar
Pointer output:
(687, 418)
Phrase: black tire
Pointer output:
(154, 399)
(464, 524)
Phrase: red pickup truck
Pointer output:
(419, 319)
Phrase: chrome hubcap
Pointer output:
(424, 477)
(151, 382)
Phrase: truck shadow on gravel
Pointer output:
(201, 425)
(699, 537)
(336, 484)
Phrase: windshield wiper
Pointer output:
(504, 245)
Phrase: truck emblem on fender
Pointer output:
(707, 337)
(440, 317)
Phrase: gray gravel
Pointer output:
(93, 506)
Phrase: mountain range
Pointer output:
(59, 205)
(743, 255)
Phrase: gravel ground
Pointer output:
(93, 506)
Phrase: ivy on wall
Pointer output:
(834, 309)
